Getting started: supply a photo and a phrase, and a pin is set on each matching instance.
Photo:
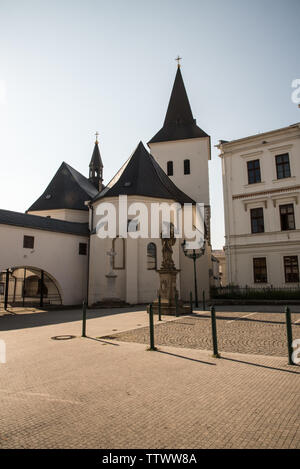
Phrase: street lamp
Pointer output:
(192, 254)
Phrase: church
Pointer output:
(53, 254)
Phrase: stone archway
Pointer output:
(28, 286)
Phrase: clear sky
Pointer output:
(71, 67)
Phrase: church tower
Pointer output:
(181, 148)
(96, 167)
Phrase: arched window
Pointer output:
(170, 168)
(151, 256)
(118, 246)
(187, 167)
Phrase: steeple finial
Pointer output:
(96, 166)
(178, 58)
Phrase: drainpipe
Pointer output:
(89, 204)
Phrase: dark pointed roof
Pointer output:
(179, 121)
(25, 220)
(96, 161)
(142, 175)
(68, 189)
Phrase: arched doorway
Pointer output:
(28, 286)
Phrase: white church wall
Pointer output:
(55, 253)
(136, 284)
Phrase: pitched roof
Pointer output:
(179, 121)
(96, 161)
(142, 175)
(8, 217)
(68, 189)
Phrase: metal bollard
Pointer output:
(289, 334)
(214, 332)
(203, 300)
(83, 319)
(191, 301)
(151, 328)
(159, 307)
(176, 304)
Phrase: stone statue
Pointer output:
(167, 251)
(111, 255)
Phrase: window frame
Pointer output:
(291, 266)
(152, 257)
(252, 172)
(170, 168)
(26, 240)
(282, 165)
(258, 274)
(187, 167)
(255, 219)
(284, 206)
(80, 246)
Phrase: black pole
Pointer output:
(191, 301)
(214, 332)
(203, 300)
(159, 307)
(6, 289)
(176, 303)
(289, 334)
(195, 279)
(83, 319)
(151, 328)
(24, 286)
(42, 290)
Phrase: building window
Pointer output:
(257, 220)
(287, 217)
(82, 249)
(151, 256)
(253, 171)
(28, 242)
(283, 166)
(186, 167)
(260, 270)
(291, 269)
(132, 226)
(170, 171)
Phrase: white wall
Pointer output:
(197, 150)
(137, 284)
(56, 253)
(79, 216)
(239, 197)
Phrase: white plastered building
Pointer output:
(261, 184)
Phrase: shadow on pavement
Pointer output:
(103, 341)
(262, 366)
(186, 358)
(22, 321)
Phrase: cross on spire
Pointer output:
(97, 135)
(178, 61)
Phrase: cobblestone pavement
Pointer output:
(96, 393)
(257, 333)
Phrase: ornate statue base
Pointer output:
(167, 292)
(111, 288)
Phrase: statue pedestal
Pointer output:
(167, 292)
(111, 288)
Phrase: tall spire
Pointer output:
(179, 109)
(96, 167)
(179, 122)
